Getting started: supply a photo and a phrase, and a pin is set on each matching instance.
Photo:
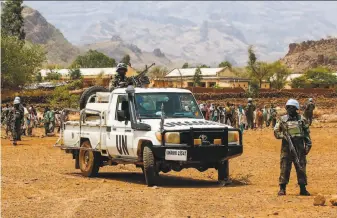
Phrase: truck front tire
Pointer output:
(149, 166)
(89, 161)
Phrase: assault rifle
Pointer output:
(292, 148)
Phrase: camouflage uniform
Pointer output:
(14, 120)
(46, 121)
(52, 121)
(250, 114)
(116, 81)
(272, 118)
(298, 128)
(308, 111)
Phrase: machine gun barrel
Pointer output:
(144, 71)
(141, 78)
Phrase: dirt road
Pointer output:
(40, 181)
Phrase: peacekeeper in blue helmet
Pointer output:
(298, 129)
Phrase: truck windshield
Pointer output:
(176, 105)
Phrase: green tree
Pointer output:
(279, 74)
(75, 74)
(185, 65)
(76, 84)
(126, 59)
(257, 70)
(53, 76)
(197, 77)
(93, 59)
(319, 77)
(225, 64)
(19, 63)
(253, 88)
(62, 98)
(99, 81)
(158, 72)
(38, 77)
(53, 73)
(204, 66)
(12, 21)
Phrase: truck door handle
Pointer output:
(114, 129)
(128, 130)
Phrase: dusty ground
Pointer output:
(39, 180)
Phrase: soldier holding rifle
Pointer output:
(293, 129)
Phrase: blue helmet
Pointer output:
(293, 102)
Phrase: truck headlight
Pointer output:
(170, 137)
(233, 137)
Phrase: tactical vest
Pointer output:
(294, 127)
(310, 107)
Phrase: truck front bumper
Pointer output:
(210, 153)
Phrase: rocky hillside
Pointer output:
(196, 42)
(60, 51)
(39, 31)
(117, 48)
(310, 54)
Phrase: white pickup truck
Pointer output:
(157, 129)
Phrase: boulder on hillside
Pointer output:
(157, 52)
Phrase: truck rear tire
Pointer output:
(89, 94)
(149, 166)
(223, 171)
(89, 161)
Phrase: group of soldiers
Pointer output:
(20, 120)
(243, 117)
(249, 116)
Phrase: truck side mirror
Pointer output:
(120, 115)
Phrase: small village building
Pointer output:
(90, 74)
(211, 77)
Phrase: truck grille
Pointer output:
(185, 137)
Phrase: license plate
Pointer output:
(173, 154)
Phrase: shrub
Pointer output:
(63, 99)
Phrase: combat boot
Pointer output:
(303, 191)
(282, 190)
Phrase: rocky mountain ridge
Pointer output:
(310, 54)
(39, 31)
